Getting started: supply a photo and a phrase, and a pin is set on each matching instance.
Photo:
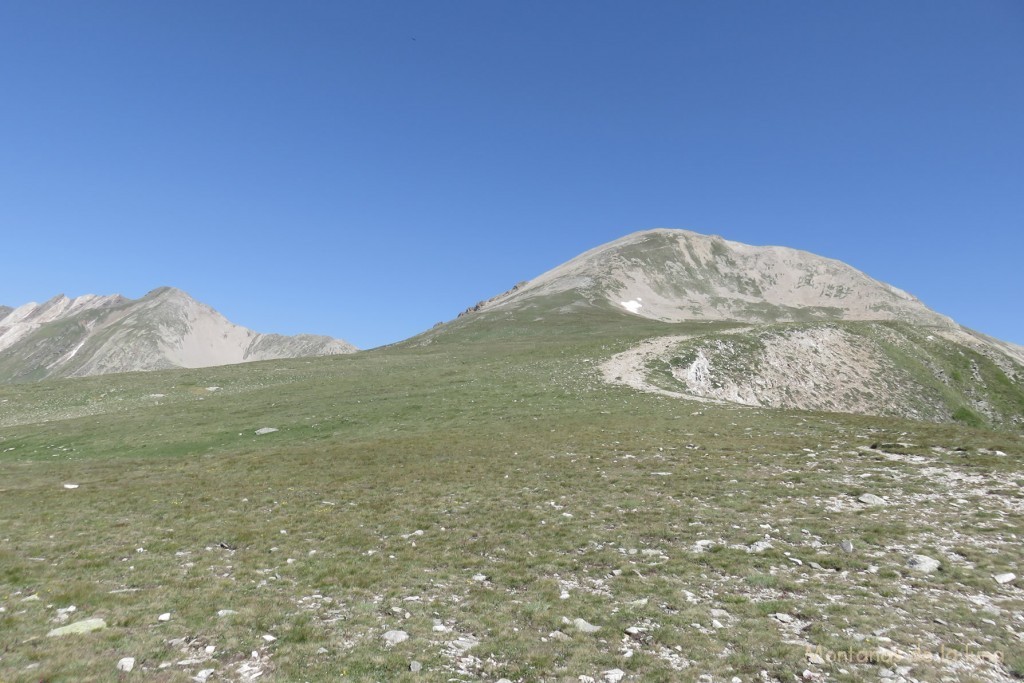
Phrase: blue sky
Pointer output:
(367, 169)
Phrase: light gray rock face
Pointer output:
(923, 564)
(1006, 578)
(584, 626)
(84, 626)
(392, 638)
(871, 499)
(126, 664)
(93, 335)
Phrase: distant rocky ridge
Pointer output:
(93, 335)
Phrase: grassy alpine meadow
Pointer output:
(473, 506)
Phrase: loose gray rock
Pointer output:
(584, 626)
(84, 626)
(871, 499)
(166, 616)
(392, 638)
(265, 430)
(126, 664)
(847, 546)
(783, 617)
(1008, 577)
(415, 667)
(923, 564)
(759, 547)
(614, 675)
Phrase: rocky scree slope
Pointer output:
(93, 335)
(679, 275)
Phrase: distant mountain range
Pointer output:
(92, 335)
(729, 322)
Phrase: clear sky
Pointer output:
(367, 169)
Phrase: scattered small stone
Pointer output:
(84, 626)
(614, 675)
(923, 564)
(815, 658)
(847, 546)
(715, 623)
(203, 675)
(415, 667)
(392, 638)
(783, 617)
(1008, 577)
(585, 626)
(226, 612)
(759, 547)
(269, 638)
(322, 651)
(166, 616)
(126, 664)
(71, 486)
(265, 430)
(480, 578)
(560, 636)
(871, 499)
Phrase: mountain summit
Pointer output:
(759, 326)
(92, 335)
(679, 275)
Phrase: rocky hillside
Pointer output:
(789, 329)
(92, 335)
(678, 275)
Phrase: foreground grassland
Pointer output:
(481, 497)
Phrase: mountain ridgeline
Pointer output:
(95, 335)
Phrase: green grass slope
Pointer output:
(480, 489)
